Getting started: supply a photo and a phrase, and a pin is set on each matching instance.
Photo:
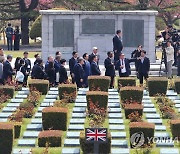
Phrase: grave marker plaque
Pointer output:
(133, 32)
(98, 26)
(63, 32)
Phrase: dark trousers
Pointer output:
(1, 81)
(124, 74)
(142, 76)
(112, 82)
(79, 84)
(116, 56)
(9, 43)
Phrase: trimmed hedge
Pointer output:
(99, 83)
(142, 130)
(175, 127)
(68, 91)
(17, 129)
(6, 138)
(8, 90)
(126, 81)
(54, 118)
(88, 148)
(131, 94)
(177, 85)
(129, 108)
(157, 85)
(50, 137)
(98, 98)
(40, 85)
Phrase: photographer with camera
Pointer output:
(170, 58)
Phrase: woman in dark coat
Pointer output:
(17, 38)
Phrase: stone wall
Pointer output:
(74, 30)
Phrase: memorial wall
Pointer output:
(67, 31)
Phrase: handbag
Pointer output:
(19, 76)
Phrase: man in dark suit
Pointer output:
(79, 72)
(123, 66)
(57, 65)
(94, 66)
(110, 70)
(72, 63)
(27, 67)
(63, 72)
(7, 70)
(117, 45)
(87, 69)
(94, 53)
(37, 70)
(143, 66)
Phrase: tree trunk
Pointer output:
(25, 30)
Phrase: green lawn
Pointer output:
(20, 53)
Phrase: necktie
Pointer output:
(122, 62)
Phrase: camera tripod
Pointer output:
(163, 60)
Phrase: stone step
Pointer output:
(73, 134)
(78, 115)
(47, 104)
(171, 93)
(19, 96)
(23, 92)
(161, 135)
(36, 121)
(53, 92)
(31, 134)
(5, 115)
(116, 121)
(25, 89)
(164, 144)
(149, 110)
(116, 127)
(76, 127)
(15, 100)
(114, 110)
(54, 89)
(160, 128)
(51, 96)
(13, 104)
(40, 109)
(71, 142)
(21, 151)
(3, 119)
(27, 142)
(77, 121)
(113, 97)
(177, 101)
(120, 151)
(113, 100)
(79, 109)
(148, 105)
(152, 116)
(115, 115)
(80, 104)
(38, 115)
(169, 151)
(114, 105)
(81, 93)
(155, 121)
(119, 143)
(70, 150)
(118, 135)
(9, 109)
(48, 100)
(34, 127)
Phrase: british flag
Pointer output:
(96, 134)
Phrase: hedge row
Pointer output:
(177, 85)
(8, 90)
(157, 85)
(99, 83)
(126, 81)
(54, 118)
(40, 85)
(175, 127)
(130, 108)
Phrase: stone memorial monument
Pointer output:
(66, 31)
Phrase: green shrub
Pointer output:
(126, 81)
(131, 94)
(177, 85)
(141, 129)
(40, 85)
(129, 108)
(88, 148)
(36, 29)
(8, 90)
(98, 98)
(157, 85)
(175, 127)
(54, 118)
(50, 137)
(6, 138)
(68, 92)
(99, 83)
(17, 129)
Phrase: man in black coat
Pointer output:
(79, 72)
(94, 66)
(27, 67)
(7, 70)
(143, 66)
(63, 72)
(109, 65)
(123, 66)
(37, 71)
(94, 53)
(117, 45)
(72, 63)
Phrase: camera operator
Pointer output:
(170, 58)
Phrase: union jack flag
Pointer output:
(96, 134)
